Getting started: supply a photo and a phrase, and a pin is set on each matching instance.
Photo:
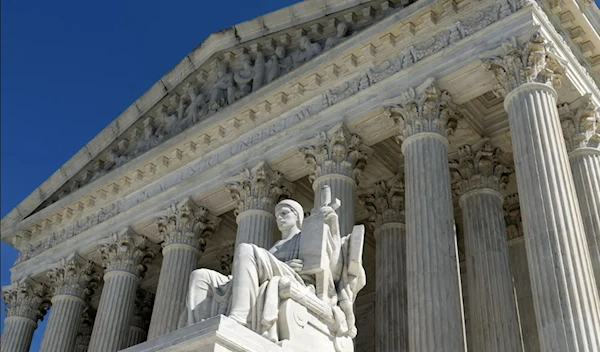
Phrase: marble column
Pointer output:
(70, 279)
(85, 329)
(337, 157)
(256, 192)
(386, 204)
(435, 316)
(184, 231)
(478, 176)
(25, 303)
(124, 255)
(565, 297)
(581, 128)
(520, 273)
(140, 321)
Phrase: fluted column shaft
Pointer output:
(111, 327)
(392, 324)
(344, 189)
(434, 300)
(585, 164)
(179, 260)
(493, 315)
(136, 336)
(63, 325)
(256, 227)
(565, 297)
(522, 282)
(17, 334)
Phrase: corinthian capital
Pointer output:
(85, 327)
(142, 311)
(336, 151)
(478, 170)
(72, 276)
(512, 217)
(125, 251)
(187, 223)
(25, 298)
(531, 62)
(426, 109)
(580, 123)
(258, 188)
(385, 202)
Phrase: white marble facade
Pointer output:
(462, 136)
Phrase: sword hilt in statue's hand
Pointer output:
(326, 198)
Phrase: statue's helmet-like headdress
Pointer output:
(296, 207)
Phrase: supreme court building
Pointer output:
(463, 134)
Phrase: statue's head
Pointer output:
(342, 29)
(288, 214)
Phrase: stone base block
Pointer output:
(218, 334)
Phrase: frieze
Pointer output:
(408, 57)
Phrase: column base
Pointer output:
(217, 334)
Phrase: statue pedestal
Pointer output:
(218, 334)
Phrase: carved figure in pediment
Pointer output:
(342, 30)
(259, 71)
(307, 51)
(223, 91)
(198, 106)
(301, 289)
(278, 64)
(243, 78)
(150, 138)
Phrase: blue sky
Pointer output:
(70, 67)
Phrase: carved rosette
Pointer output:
(336, 152)
(580, 123)
(259, 189)
(512, 217)
(144, 301)
(426, 109)
(26, 298)
(126, 251)
(385, 202)
(531, 62)
(478, 170)
(188, 224)
(85, 328)
(73, 276)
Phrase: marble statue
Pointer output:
(259, 71)
(198, 106)
(244, 77)
(223, 91)
(278, 64)
(150, 138)
(263, 280)
(342, 30)
(307, 51)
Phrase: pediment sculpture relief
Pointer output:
(301, 290)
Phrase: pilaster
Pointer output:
(124, 256)
(184, 231)
(478, 177)
(256, 192)
(566, 300)
(25, 303)
(581, 128)
(70, 279)
(425, 116)
(337, 158)
(385, 201)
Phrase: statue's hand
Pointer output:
(295, 264)
(328, 213)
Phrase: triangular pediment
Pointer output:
(227, 67)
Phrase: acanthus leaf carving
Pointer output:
(532, 62)
(26, 298)
(73, 276)
(580, 123)
(86, 325)
(126, 251)
(336, 151)
(512, 217)
(188, 224)
(142, 309)
(426, 109)
(385, 202)
(258, 188)
(481, 169)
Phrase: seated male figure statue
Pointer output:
(264, 280)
